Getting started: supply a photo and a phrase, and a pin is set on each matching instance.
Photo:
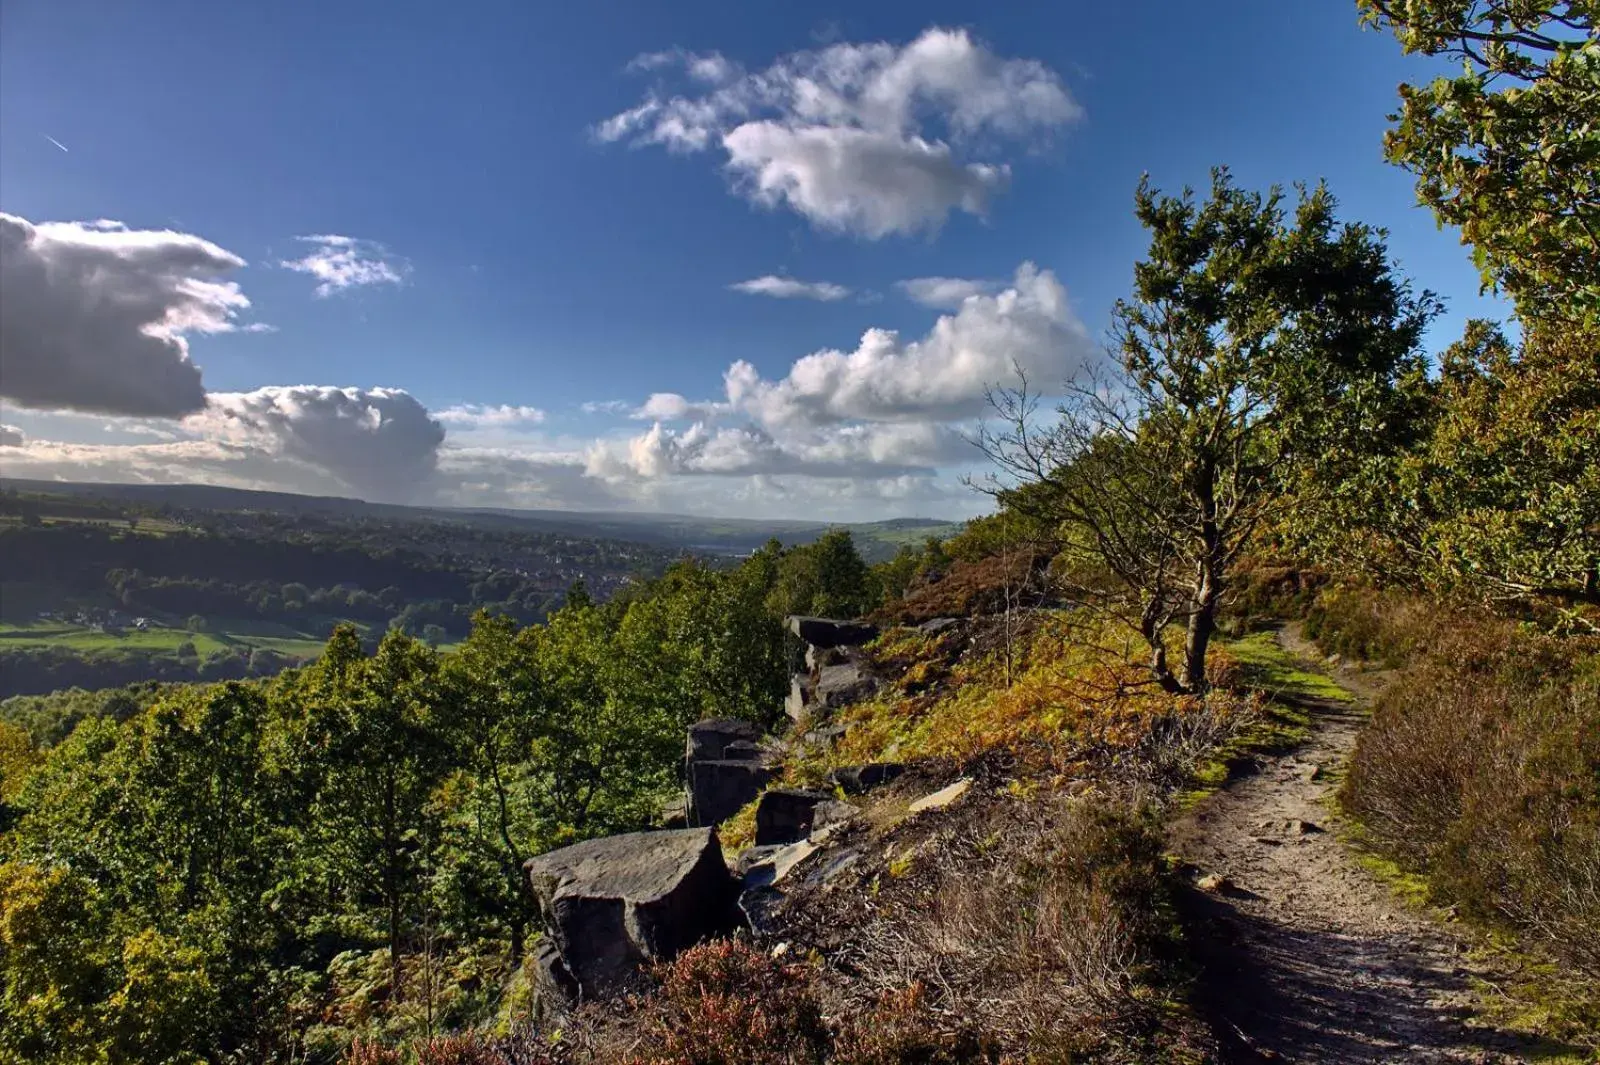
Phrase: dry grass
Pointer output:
(1038, 926)
(1479, 769)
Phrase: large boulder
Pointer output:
(709, 740)
(784, 815)
(723, 769)
(719, 789)
(827, 632)
(611, 906)
(843, 684)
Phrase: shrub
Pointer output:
(902, 1030)
(726, 1003)
(1480, 766)
(1038, 928)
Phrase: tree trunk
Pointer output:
(391, 883)
(1207, 586)
(1202, 624)
(1151, 624)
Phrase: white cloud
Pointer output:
(378, 442)
(671, 407)
(945, 293)
(872, 139)
(96, 316)
(942, 376)
(11, 436)
(606, 406)
(339, 263)
(482, 416)
(788, 288)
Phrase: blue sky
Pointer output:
(512, 263)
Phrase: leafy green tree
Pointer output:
(826, 578)
(1500, 500)
(1509, 149)
(1256, 344)
(496, 713)
(374, 753)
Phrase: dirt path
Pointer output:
(1307, 957)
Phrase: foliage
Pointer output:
(827, 578)
(267, 869)
(1257, 344)
(1509, 149)
(1499, 500)
(1479, 767)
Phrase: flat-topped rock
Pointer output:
(829, 632)
(615, 904)
(784, 815)
(719, 789)
(709, 740)
(941, 798)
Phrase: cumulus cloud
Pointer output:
(945, 293)
(340, 263)
(378, 442)
(482, 416)
(605, 406)
(1028, 325)
(11, 436)
(96, 316)
(788, 288)
(873, 139)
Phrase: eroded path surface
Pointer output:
(1308, 958)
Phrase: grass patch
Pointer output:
(90, 642)
(1268, 667)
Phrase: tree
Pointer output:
(1254, 346)
(826, 578)
(1500, 500)
(1509, 150)
(495, 716)
(374, 753)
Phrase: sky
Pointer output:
(732, 259)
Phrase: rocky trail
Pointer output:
(1308, 957)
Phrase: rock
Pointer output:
(674, 813)
(1214, 884)
(857, 779)
(826, 736)
(942, 798)
(836, 866)
(743, 751)
(709, 740)
(831, 813)
(817, 657)
(937, 626)
(767, 866)
(841, 685)
(800, 689)
(826, 632)
(784, 815)
(719, 789)
(613, 905)
(555, 983)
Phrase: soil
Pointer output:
(1306, 956)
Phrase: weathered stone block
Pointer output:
(613, 905)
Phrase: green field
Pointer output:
(91, 641)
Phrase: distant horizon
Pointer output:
(9, 482)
